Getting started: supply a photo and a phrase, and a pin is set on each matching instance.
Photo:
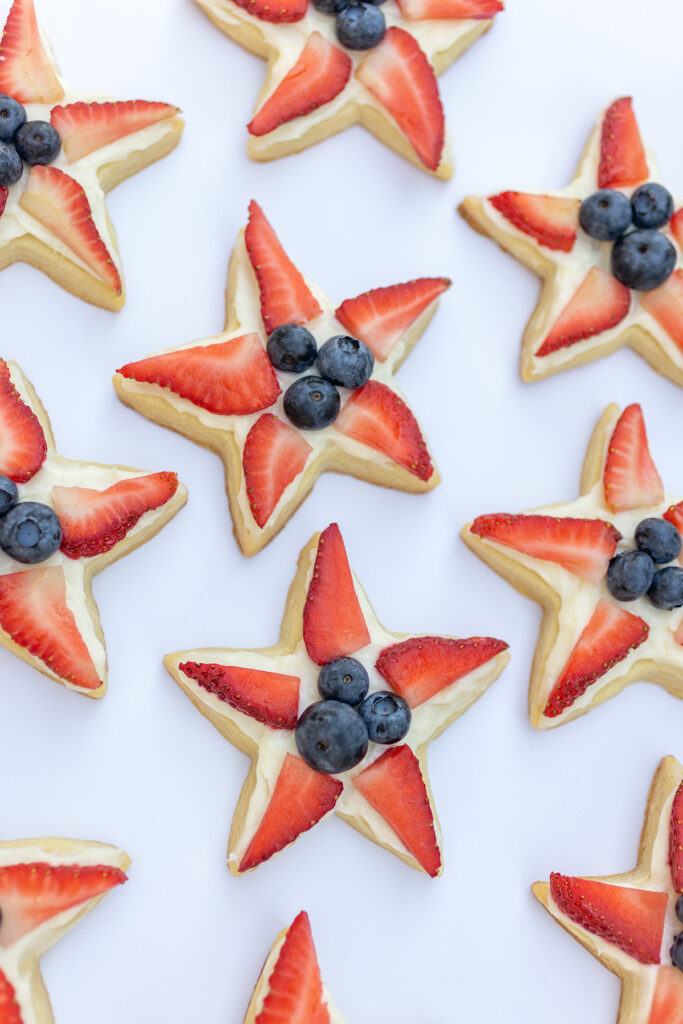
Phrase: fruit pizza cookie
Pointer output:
(607, 570)
(294, 386)
(60, 151)
(338, 716)
(334, 63)
(608, 248)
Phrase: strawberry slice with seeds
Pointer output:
(228, 378)
(676, 226)
(424, 665)
(60, 204)
(631, 919)
(274, 455)
(34, 613)
(676, 840)
(9, 1007)
(295, 990)
(285, 296)
(665, 304)
(275, 10)
(610, 636)
(94, 521)
(26, 72)
(552, 220)
(320, 74)
(382, 316)
(622, 154)
(583, 547)
(599, 304)
(333, 622)
(667, 1003)
(400, 77)
(269, 697)
(300, 799)
(675, 516)
(630, 477)
(22, 442)
(415, 10)
(85, 127)
(394, 786)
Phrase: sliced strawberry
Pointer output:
(394, 786)
(676, 840)
(320, 74)
(284, 10)
(269, 697)
(583, 547)
(678, 635)
(4, 192)
(676, 225)
(599, 304)
(285, 296)
(675, 515)
(422, 666)
(34, 612)
(551, 220)
(622, 155)
(9, 1007)
(415, 10)
(94, 521)
(665, 304)
(382, 316)
(667, 1004)
(610, 636)
(300, 799)
(229, 378)
(60, 204)
(333, 623)
(26, 72)
(22, 442)
(85, 127)
(398, 74)
(274, 455)
(295, 991)
(630, 477)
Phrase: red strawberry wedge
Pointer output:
(269, 697)
(631, 919)
(85, 127)
(380, 317)
(300, 799)
(9, 1007)
(228, 378)
(676, 228)
(424, 665)
(274, 455)
(665, 305)
(551, 220)
(622, 155)
(319, 75)
(266, 10)
(22, 441)
(94, 521)
(667, 1004)
(599, 303)
(630, 477)
(394, 786)
(26, 73)
(676, 840)
(333, 622)
(295, 991)
(398, 74)
(415, 10)
(610, 636)
(675, 516)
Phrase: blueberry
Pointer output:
(291, 348)
(344, 679)
(643, 259)
(345, 361)
(605, 215)
(676, 952)
(311, 403)
(679, 908)
(30, 532)
(666, 590)
(12, 116)
(11, 167)
(331, 6)
(331, 737)
(360, 26)
(629, 575)
(9, 494)
(37, 142)
(386, 715)
(652, 206)
(659, 538)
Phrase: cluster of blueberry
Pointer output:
(333, 734)
(632, 573)
(29, 531)
(35, 142)
(311, 402)
(360, 25)
(642, 257)
(676, 951)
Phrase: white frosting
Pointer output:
(268, 967)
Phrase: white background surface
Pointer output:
(184, 941)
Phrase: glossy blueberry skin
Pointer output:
(30, 532)
(630, 575)
(344, 679)
(331, 6)
(652, 206)
(291, 348)
(11, 166)
(659, 539)
(331, 737)
(38, 142)
(666, 590)
(679, 908)
(386, 715)
(605, 215)
(360, 26)
(311, 403)
(643, 259)
(9, 494)
(12, 116)
(676, 952)
(346, 362)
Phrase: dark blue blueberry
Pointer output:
(12, 116)
(344, 679)
(311, 403)
(666, 590)
(30, 532)
(331, 737)
(659, 538)
(629, 575)
(331, 6)
(643, 259)
(345, 361)
(605, 215)
(679, 908)
(652, 206)
(11, 167)
(37, 142)
(387, 716)
(9, 494)
(360, 26)
(291, 348)
(676, 952)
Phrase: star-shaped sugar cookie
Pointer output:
(583, 311)
(590, 645)
(316, 86)
(224, 392)
(55, 216)
(255, 698)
